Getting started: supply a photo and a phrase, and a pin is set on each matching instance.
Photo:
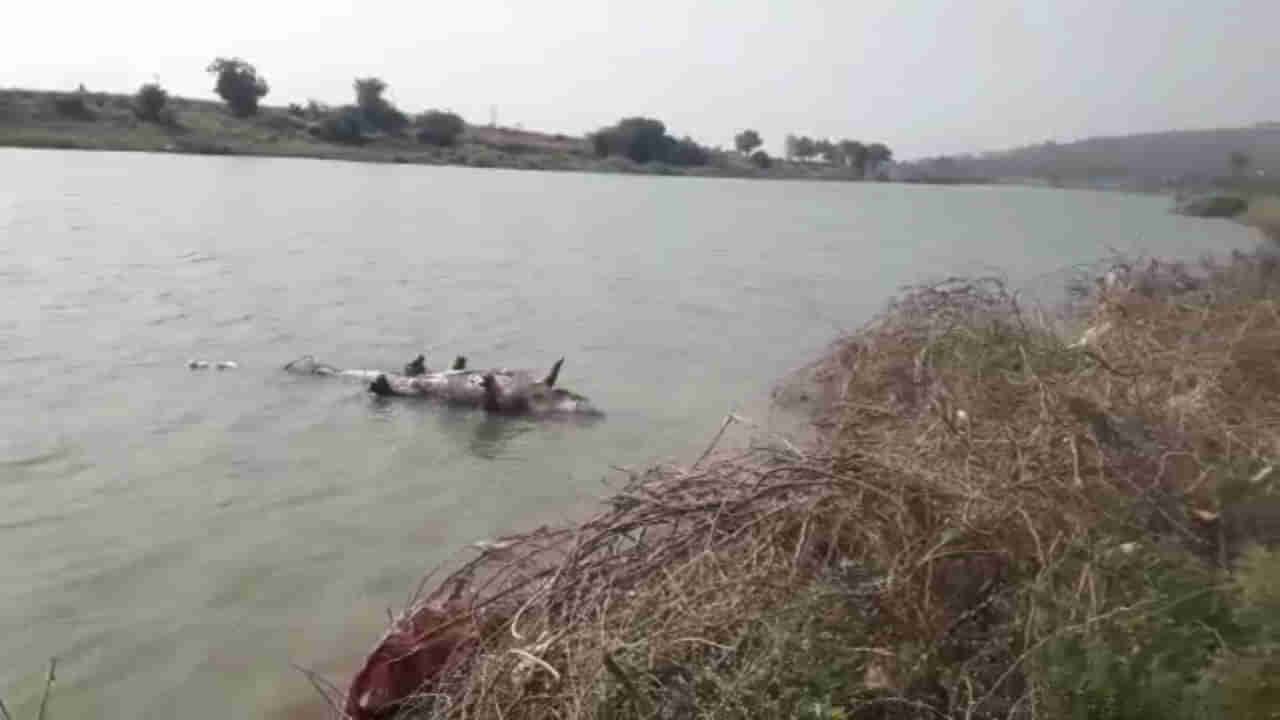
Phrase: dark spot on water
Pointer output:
(44, 458)
(163, 320)
(37, 358)
(30, 522)
(235, 320)
(172, 425)
(306, 498)
(699, 309)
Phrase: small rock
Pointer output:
(198, 364)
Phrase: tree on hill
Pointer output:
(149, 103)
(878, 154)
(646, 140)
(746, 141)
(805, 147)
(685, 151)
(638, 138)
(378, 111)
(239, 84)
(854, 154)
(827, 150)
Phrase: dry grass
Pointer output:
(983, 492)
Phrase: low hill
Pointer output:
(1164, 157)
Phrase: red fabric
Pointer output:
(408, 659)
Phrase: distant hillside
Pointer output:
(109, 121)
(1155, 157)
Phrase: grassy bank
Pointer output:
(994, 520)
(34, 119)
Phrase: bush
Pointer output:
(440, 128)
(238, 84)
(378, 111)
(72, 106)
(685, 152)
(640, 139)
(296, 110)
(601, 143)
(149, 104)
(645, 140)
(746, 141)
(761, 160)
(343, 125)
(1208, 653)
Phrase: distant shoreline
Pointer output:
(30, 119)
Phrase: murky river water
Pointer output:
(178, 538)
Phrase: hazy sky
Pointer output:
(924, 76)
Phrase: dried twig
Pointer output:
(728, 420)
(48, 687)
(324, 688)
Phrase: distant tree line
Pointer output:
(645, 140)
(640, 139)
(242, 87)
(863, 158)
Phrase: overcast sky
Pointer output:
(924, 76)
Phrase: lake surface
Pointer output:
(177, 539)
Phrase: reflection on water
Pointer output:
(491, 435)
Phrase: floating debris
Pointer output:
(205, 364)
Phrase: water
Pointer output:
(178, 538)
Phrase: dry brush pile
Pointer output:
(995, 522)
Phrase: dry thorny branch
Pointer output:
(979, 484)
